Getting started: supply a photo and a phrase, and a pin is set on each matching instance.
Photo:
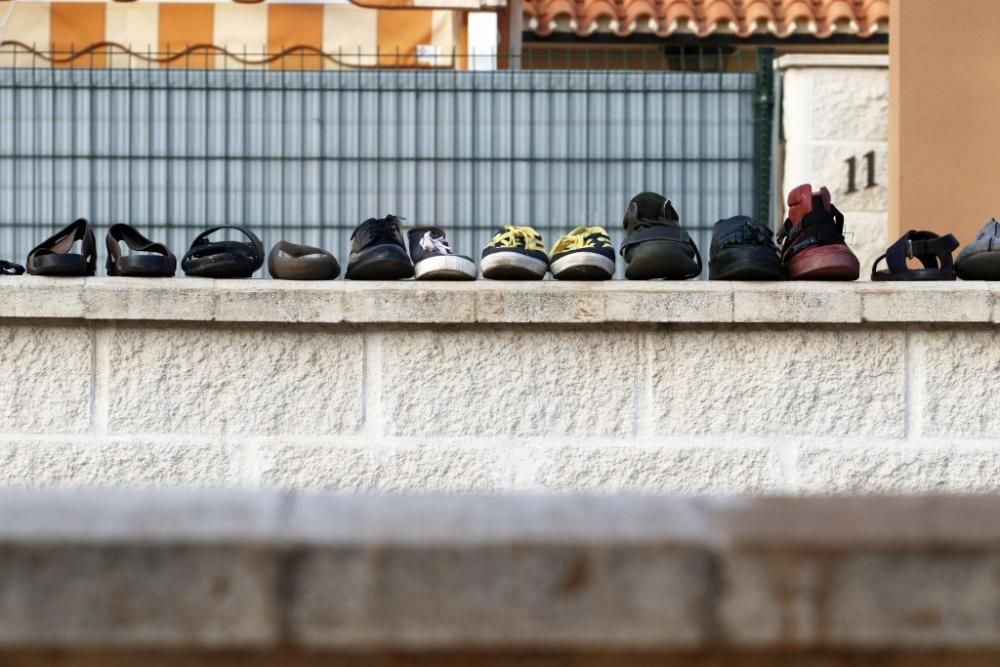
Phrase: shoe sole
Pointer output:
(746, 264)
(824, 263)
(583, 266)
(445, 267)
(982, 266)
(389, 262)
(660, 260)
(513, 266)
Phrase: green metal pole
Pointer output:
(763, 119)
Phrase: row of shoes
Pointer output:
(809, 246)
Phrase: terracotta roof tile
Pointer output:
(703, 18)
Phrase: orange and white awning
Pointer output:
(201, 34)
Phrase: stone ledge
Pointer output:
(184, 570)
(487, 302)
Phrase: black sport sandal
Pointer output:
(933, 251)
(224, 259)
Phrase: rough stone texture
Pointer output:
(513, 382)
(928, 302)
(278, 301)
(898, 469)
(694, 301)
(544, 596)
(545, 302)
(364, 573)
(122, 463)
(795, 302)
(957, 381)
(412, 302)
(487, 302)
(268, 382)
(916, 600)
(680, 469)
(150, 298)
(789, 403)
(336, 468)
(45, 378)
(821, 382)
(107, 595)
(39, 297)
(450, 469)
(836, 105)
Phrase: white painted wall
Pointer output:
(834, 108)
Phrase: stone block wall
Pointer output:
(836, 108)
(691, 387)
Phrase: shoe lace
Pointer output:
(435, 244)
(583, 237)
(754, 235)
(381, 230)
(518, 237)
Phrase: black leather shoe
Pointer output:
(743, 249)
(378, 251)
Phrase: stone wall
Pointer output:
(684, 387)
(258, 578)
(835, 108)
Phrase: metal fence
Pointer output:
(307, 155)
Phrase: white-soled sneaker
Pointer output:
(433, 258)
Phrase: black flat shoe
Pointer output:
(743, 249)
(291, 261)
(378, 251)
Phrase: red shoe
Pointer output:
(812, 239)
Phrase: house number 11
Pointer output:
(852, 172)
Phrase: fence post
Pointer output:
(763, 119)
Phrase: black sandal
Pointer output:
(933, 251)
(291, 261)
(10, 268)
(52, 257)
(160, 263)
(224, 259)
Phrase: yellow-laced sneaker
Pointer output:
(515, 253)
(585, 253)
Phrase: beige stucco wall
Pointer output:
(945, 86)
(690, 387)
(836, 107)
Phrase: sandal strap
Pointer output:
(818, 227)
(10, 268)
(256, 246)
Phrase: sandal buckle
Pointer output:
(909, 249)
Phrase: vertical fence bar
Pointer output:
(763, 113)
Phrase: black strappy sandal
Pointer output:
(933, 251)
(291, 261)
(10, 268)
(52, 257)
(224, 259)
(159, 263)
